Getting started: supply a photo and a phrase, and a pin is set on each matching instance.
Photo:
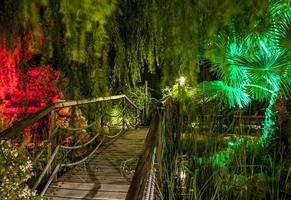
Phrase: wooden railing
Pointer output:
(144, 166)
(164, 132)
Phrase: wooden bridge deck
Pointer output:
(102, 177)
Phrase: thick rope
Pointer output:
(113, 136)
(79, 129)
(151, 180)
(80, 146)
(84, 159)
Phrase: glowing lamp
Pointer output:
(182, 80)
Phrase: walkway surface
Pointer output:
(103, 177)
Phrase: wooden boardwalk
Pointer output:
(102, 177)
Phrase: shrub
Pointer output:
(15, 170)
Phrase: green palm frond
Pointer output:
(280, 30)
(219, 89)
(283, 35)
(224, 66)
(270, 70)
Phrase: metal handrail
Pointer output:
(57, 168)
(21, 125)
(46, 168)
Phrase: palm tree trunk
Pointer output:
(270, 121)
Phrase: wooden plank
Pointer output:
(114, 160)
(81, 194)
(103, 163)
(112, 156)
(98, 174)
(94, 176)
(64, 198)
(122, 151)
(128, 152)
(90, 186)
(116, 155)
(98, 169)
(94, 180)
(129, 144)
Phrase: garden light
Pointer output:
(182, 80)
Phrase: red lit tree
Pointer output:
(22, 94)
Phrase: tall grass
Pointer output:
(206, 167)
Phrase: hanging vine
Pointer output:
(122, 41)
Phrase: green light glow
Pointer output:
(234, 144)
(219, 159)
(269, 130)
(254, 69)
(264, 47)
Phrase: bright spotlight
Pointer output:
(182, 80)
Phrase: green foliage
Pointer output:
(125, 40)
(280, 31)
(80, 19)
(253, 68)
(116, 115)
(217, 172)
(170, 36)
(179, 93)
(138, 96)
(235, 96)
(71, 35)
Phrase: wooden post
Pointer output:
(136, 118)
(51, 139)
(102, 120)
(123, 114)
(146, 103)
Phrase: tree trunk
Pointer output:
(269, 122)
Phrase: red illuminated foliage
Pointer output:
(22, 94)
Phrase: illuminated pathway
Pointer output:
(102, 177)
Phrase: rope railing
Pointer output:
(81, 145)
(150, 188)
(54, 161)
(115, 135)
(83, 159)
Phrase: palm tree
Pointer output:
(255, 67)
